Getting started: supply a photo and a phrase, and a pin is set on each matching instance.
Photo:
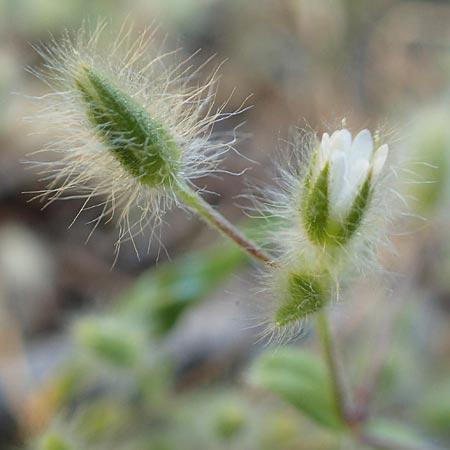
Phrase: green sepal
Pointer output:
(315, 207)
(354, 218)
(309, 176)
(141, 144)
(305, 295)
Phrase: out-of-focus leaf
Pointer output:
(160, 296)
(434, 410)
(398, 433)
(103, 419)
(65, 388)
(109, 340)
(428, 147)
(54, 442)
(230, 420)
(300, 379)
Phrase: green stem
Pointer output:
(356, 429)
(323, 330)
(214, 218)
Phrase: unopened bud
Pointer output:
(141, 144)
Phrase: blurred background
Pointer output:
(157, 356)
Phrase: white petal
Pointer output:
(379, 159)
(362, 147)
(338, 176)
(356, 175)
(325, 142)
(323, 152)
(341, 140)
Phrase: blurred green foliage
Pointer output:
(300, 379)
(160, 297)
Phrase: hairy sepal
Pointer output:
(140, 143)
(316, 207)
(305, 294)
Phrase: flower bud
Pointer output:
(127, 128)
(339, 184)
(144, 148)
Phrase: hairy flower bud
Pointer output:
(142, 145)
(127, 127)
(339, 184)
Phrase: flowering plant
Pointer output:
(139, 137)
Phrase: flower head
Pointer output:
(339, 184)
(128, 125)
(323, 214)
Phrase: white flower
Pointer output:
(339, 187)
(351, 163)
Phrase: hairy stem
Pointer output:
(215, 219)
(323, 330)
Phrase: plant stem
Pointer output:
(215, 219)
(355, 428)
(323, 330)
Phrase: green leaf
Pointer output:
(108, 340)
(54, 442)
(434, 408)
(397, 433)
(300, 379)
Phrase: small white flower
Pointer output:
(350, 165)
(328, 222)
(339, 186)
